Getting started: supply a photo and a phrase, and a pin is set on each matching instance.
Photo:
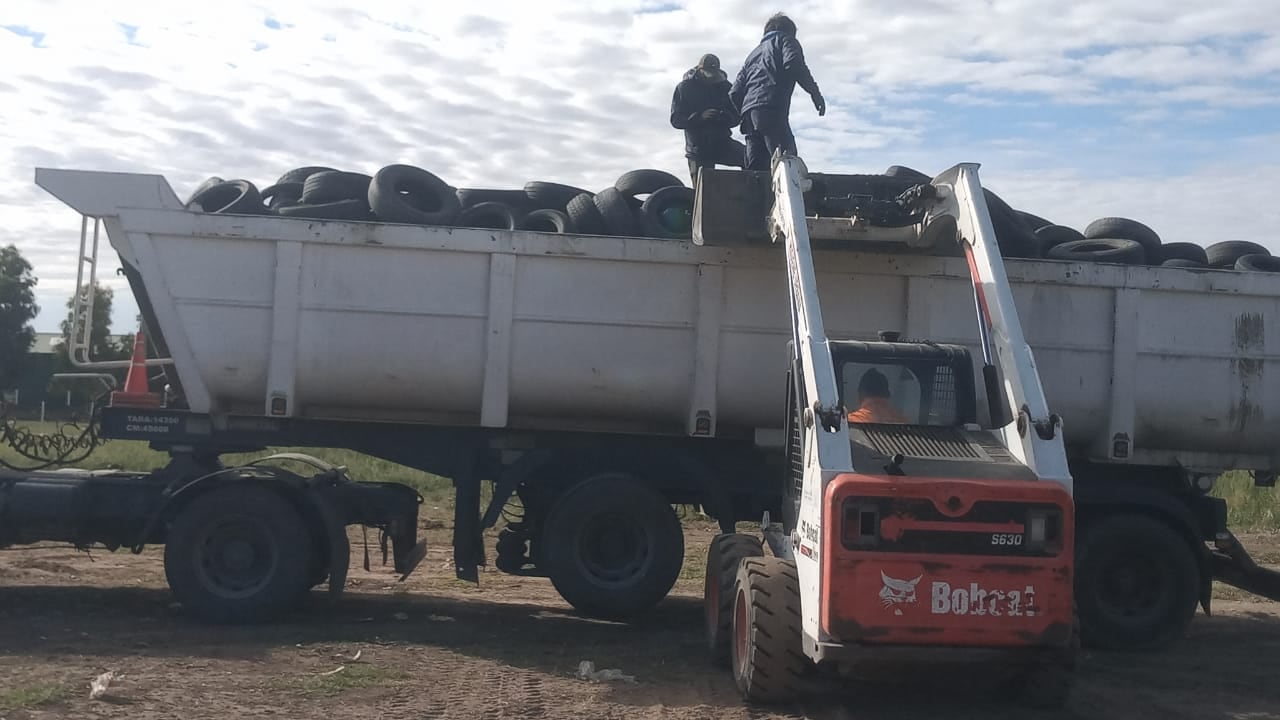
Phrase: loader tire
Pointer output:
(1051, 236)
(1182, 251)
(668, 213)
(1258, 263)
(238, 554)
(546, 221)
(767, 649)
(550, 196)
(1100, 250)
(413, 196)
(300, 175)
(619, 217)
(585, 215)
(1225, 254)
(334, 186)
(1137, 583)
(235, 197)
(723, 558)
(1046, 684)
(645, 182)
(612, 546)
(488, 215)
(1125, 229)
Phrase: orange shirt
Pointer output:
(877, 410)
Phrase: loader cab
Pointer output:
(928, 384)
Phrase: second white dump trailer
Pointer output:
(603, 379)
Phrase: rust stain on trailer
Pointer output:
(1248, 375)
(1250, 332)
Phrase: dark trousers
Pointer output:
(726, 152)
(766, 130)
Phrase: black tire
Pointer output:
(215, 180)
(906, 173)
(1051, 236)
(1182, 251)
(333, 186)
(767, 648)
(235, 197)
(547, 221)
(411, 195)
(723, 558)
(488, 215)
(1258, 263)
(1125, 229)
(619, 218)
(300, 175)
(675, 198)
(350, 210)
(612, 547)
(1225, 254)
(1137, 583)
(550, 196)
(282, 194)
(1180, 263)
(1013, 237)
(468, 197)
(1101, 250)
(1033, 222)
(213, 534)
(1047, 682)
(585, 215)
(645, 182)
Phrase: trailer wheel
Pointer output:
(612, 546)
(723, 558)
(768, 661)
(1137, 583)
(238, 554)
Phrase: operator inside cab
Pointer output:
(874, 405)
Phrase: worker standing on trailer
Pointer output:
(700, 106)
(763, 89)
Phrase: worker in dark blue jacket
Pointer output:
(763, 89)
(700, 106)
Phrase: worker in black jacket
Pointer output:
(700, 106)
(763, 89)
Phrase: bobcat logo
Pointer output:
(898, 592)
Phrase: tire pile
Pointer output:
(642, 203)
(1107, 240)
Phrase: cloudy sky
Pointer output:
(1165, 112)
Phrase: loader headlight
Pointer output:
(1044, 530)
(1037, 525)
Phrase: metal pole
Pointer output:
(42, 411)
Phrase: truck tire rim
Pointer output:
(1132, 588)
(614, 549)
(740, 631)
(236, 557)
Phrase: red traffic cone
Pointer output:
(136, 393)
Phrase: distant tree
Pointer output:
(102, 346)
(17, 309)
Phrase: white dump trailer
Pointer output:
(645, 368)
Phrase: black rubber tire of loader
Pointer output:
(1046, 683)
(724, 556)
(767, 652)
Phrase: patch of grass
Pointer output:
(1249, 508)
(32, 696)
(352, 677)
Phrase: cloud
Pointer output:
(1094, 108)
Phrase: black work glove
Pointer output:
(710, 114)
(820, 104)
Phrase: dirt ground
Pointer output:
(434, 647)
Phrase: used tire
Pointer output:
(645, 182)
(1137, 583)
(411, 195)
(1225, 254)
(1180, 263)
(659, 213)
(333, 185)
(282, 194)
(1182, 251)
(723, 558)
(550, 196)
(235, 197)
(612, 546)
(547, 221)
(239, 553)
(585, 215)
(1013, 237)
(516, 199)
(767, 648)
(1258, 263)
(352, 210)
(906, 173)
(619, 218)
(1051, 236)
(1125, 229)
(300, 175)
(489, 215)
(1101, 250)
(1034, 222)
(215, 180)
